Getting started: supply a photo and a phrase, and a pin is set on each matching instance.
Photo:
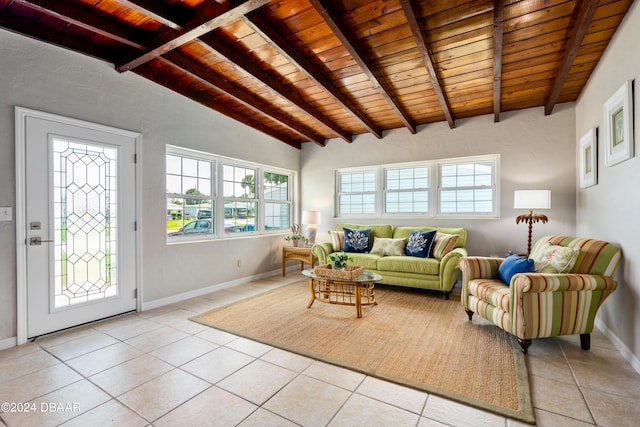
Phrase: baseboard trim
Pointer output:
(8, 343)
(619, 345)
(203, 291)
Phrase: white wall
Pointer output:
(610, 210)
(536, 151)
(47, 78)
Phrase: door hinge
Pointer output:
(135, 158)
(135, 226)
(135, 293)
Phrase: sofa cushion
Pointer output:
(493, 291)
(554, 259)
(337, 240)
(404, 231)
(443, 244)
(356, 240)
(513, 265)
(419, 243)
(368, 261)
(377, 230)
(384, 246)
(409, 264)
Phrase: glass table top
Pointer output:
(365, 277)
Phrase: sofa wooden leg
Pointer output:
(524, 344)
(585, 341)
(447, 294)
(469, 313)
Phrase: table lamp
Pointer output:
(311, 219)
(531, 199)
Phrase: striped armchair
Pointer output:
(538, 305)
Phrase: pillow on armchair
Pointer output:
(554, 259)
(513, 265)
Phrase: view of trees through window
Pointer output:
(247, 205)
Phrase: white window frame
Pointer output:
(338, 177)
(289, 202)
(434, 167)
(234, 199)
(184, 153)
(218, 199)
(386, 190)
(494, 187)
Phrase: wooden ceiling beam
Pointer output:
(427, 58)
(585, 12)
(332, 19)
(498, 32)
(207, 20)
(269, 33)
(224, 49)
(178, 86)
(32, 29)
(203, 74)
(85, 18)
(158, 11)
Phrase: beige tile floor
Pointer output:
(158, 368)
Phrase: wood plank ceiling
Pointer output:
(311, 70)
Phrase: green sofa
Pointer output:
(426, 273)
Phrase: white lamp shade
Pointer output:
(532, 199)
(311, 217)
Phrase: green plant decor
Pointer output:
(339, 261)
(296, 236)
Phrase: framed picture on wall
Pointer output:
(618, 125)
(589, 158)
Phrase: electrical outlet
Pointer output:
(6, 214)
(239, 262)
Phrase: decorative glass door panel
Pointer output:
(85, 222)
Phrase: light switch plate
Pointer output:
(6, 213)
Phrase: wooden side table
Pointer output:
(296, 253)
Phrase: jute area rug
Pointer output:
(411, 337)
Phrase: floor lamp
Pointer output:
(531, 199)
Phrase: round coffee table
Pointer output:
(357, 291)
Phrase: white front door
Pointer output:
(80, 211)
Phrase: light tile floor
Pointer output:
(158, 368)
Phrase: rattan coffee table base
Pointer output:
(342, 292)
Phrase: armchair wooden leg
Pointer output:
(447, 294)
(585, 341)
(469, 313)
(524, 344)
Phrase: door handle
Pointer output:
(37, 241)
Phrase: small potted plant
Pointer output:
(296, 236)
(339, 260)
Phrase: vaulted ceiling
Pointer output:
(311, 70)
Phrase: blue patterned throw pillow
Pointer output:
(420, 243)
(356, 240)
